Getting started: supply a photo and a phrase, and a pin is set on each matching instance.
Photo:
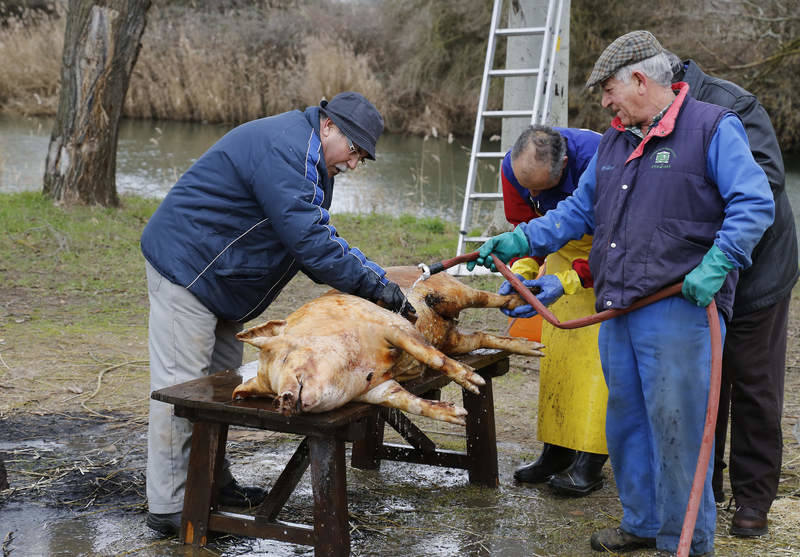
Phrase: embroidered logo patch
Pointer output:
(663, 158)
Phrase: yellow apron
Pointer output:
(572, 390)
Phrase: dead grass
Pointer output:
(29, 72)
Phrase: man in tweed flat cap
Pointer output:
(673, 194)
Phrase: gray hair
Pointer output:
(658, 68)
(549, 147)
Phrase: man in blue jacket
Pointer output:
(541, 170)
(673, 194)
(235, 228)
(754, 359)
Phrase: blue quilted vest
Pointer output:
(657, 214)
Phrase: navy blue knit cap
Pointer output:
(357, 118)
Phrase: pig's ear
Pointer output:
(266, 344)
(269, 329)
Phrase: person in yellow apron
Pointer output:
(541, 169)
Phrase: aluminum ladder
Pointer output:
(538, 113)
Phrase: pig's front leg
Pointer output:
(416, 345)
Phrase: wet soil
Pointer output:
(73, 412)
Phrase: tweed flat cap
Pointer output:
(628, 49)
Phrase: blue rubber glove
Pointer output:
(551, 290)
(705, 280)
(506, 246)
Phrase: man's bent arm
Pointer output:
(749, 207)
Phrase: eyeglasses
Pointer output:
(362, 157)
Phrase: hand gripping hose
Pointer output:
(696, 493)
(704, 455)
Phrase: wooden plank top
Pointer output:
(213, 394)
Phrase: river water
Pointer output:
(413, 175)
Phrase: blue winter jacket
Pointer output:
(250, 214)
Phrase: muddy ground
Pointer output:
(73, 413)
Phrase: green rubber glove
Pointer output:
(705, 280)
(506, 246)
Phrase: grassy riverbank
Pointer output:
(73, 294)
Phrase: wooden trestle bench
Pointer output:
(207, 403)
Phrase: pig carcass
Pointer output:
(338, 348)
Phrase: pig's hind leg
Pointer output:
(393, 395)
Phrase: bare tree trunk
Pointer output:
(101, 44)
(3, 475)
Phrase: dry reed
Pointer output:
(224, 78)
(29, 70)
(420, 61)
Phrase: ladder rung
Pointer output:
(507, 113)
(542, 76)
(514, 72)
(516, 31)
(493, 195)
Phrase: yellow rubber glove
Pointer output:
(569, 280)
(527, 267)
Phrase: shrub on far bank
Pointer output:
(29, 71)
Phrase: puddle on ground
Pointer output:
(35, 444)
(85, 496)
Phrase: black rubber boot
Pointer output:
(553, 459)
(582, 477)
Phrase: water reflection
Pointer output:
(412, 175)
(423, 177)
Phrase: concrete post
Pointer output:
(518, 92)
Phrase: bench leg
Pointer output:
(329, 484)
(205, 460)
(481, 436)
(365, 451)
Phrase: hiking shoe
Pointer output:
(235, 495)
(617, 539)
(663, 553)
(748, 522)
(168, 524)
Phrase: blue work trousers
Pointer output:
(657, 361)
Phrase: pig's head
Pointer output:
(303, 373)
